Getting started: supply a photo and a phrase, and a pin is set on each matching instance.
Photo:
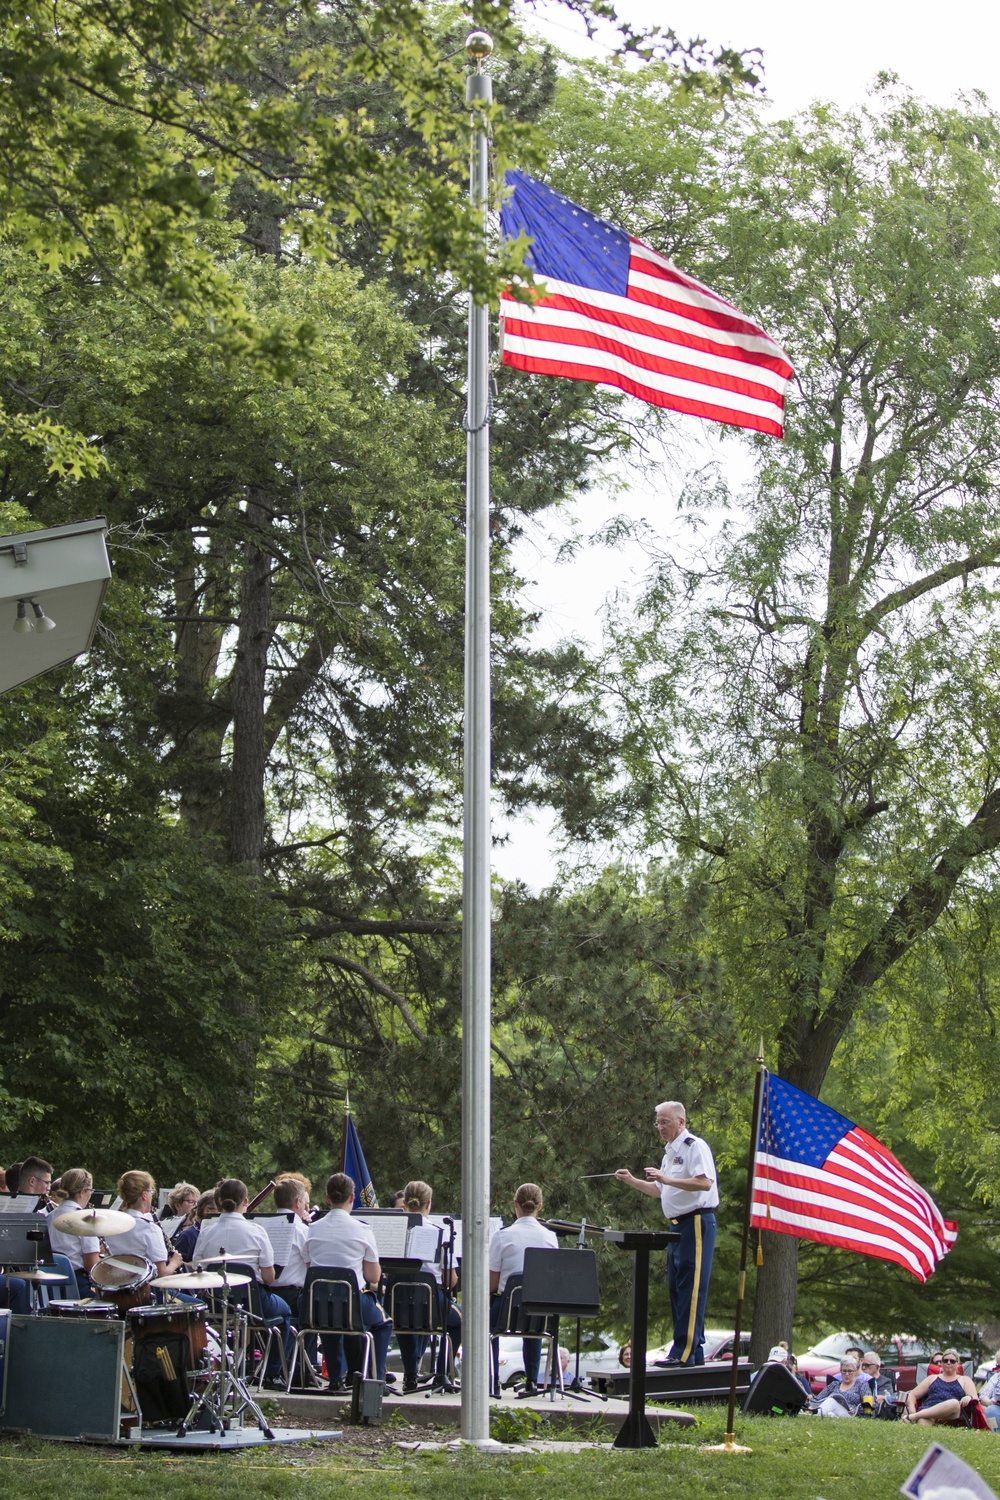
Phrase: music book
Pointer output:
(280, 1230)
(390, 1233)
(424, 1243)
(24, 1203)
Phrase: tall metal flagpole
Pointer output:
(476, 870)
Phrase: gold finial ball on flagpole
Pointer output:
(479, 45)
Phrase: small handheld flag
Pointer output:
(820, 1177)
(617, 312)
(356, 1167)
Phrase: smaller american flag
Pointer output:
(819, 1177)
(618, 313)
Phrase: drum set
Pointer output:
(185, 1359)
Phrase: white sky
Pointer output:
(809, 52)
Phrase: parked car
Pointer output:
(718, 1345)
(598, 1349)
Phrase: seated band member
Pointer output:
(136, 1190)
(232, 1234)
(14, 1294)
(291, 1195)
(339, 1239)
(417, 1197)
(186, 1239)
(35, 1179)
(181, 1203)
(75, 1188)
(507, 1249)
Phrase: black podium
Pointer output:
(636, 1431)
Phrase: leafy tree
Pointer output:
(806, 692)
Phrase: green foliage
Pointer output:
(514, 1424)
(805, 692)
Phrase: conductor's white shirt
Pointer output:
(688, 1156)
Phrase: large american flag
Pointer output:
(819, 1177)
(618, 313)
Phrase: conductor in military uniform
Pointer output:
(687, 1186)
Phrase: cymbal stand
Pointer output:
(225, 1396)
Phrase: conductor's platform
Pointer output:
(684, 1383)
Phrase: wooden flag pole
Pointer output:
(729, 1444)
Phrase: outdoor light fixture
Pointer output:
(56, 580)
(41, 621)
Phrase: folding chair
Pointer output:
(331, 1304)
(414, 1305)
(512, 1319)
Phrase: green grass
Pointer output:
(793, 1459)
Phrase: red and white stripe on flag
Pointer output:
(861, 1198)
(670, 340)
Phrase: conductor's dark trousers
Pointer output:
(689, 1267)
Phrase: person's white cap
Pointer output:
(777, 1356)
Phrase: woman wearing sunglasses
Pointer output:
(941, 1398)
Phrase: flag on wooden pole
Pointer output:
(820, 1177)
(355, 1165)
(617, 312)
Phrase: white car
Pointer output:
(599, 1349)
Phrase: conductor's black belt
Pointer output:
(694, 1214)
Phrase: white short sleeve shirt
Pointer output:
(146, 1238)
(508, 1245)
(73, 1246)
(232, 1234)
(688, 1156)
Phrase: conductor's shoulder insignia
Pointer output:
(689, 1140)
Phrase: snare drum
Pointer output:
(185, 1318)
(100, 1312)
(123, 1280)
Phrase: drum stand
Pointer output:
(225, 1396)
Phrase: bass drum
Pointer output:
(123, 1280)
(189, 1319)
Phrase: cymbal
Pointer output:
(40, 1275)
(217, 1260)
(191, 1281)
(94, 1221)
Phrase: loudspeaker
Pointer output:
(366, 1399)
(774, 1391)
(561, 1282)
(64, 1377)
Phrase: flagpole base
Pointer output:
(728, 1445)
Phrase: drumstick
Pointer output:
(119, 1265)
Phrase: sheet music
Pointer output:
(424, 1243)
(390, 1233)
(24, 1203)
(172, 1225)
(280, 1230)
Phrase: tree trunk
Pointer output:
(774, 1300)
(247, 817)
(247, 808)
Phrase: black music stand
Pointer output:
(560, 1283)
(635, 1430)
